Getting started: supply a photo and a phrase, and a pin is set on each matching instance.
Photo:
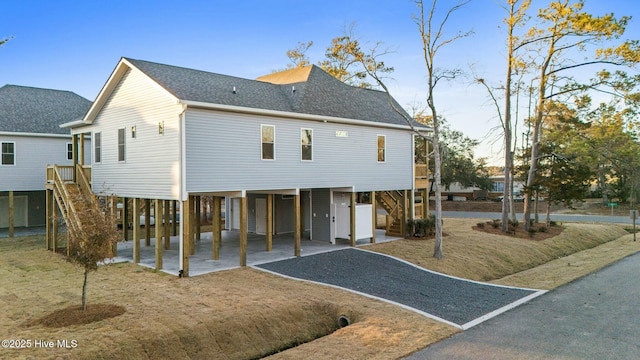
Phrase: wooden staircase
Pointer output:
(73, 196)
(393, 203)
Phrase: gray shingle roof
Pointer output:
(316, 92)
(34, 110)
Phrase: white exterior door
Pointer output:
(235, 214)
(342, 221)
(261, 216)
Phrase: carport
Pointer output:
(201, 262)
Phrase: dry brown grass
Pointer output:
(481, 256)
(246, 313)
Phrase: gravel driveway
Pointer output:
(459, 302)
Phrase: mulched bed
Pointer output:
(541, 233)
(74, 315)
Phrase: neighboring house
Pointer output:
(31, 138)
(457, 192)
(288, 152)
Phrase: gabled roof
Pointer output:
(308, 90)
(34, 110)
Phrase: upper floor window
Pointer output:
(69, 151)
(121, 143)
(382, 148)
(306, 143)
(268, 133)
(8, 153)
(97, 147)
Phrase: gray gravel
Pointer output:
(451, 299)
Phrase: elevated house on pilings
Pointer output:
(290, 152)
(31, 138)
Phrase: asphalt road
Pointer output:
(595, 317)
(556, 217)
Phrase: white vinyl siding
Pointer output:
(32, 155)
(306, 144)
(152, 166)
(8, 154)
(218, 158)
(268, 142)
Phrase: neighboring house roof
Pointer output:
(308, 90)
(34, 110)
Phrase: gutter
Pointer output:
(290, 115)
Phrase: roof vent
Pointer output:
(293, 89)
(234, 90)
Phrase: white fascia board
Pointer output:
(7, 133)
(285, 114)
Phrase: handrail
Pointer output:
(62, 189)
(84, 184)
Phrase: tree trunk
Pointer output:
(548, 213)
(84, 290)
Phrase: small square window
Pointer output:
(8, 153)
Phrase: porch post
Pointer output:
(166, 225)
(158, 212)
(269, 222)
(216, 228)
(81, 155)
(243, 231)
(174, 214)
(74, 155)
(54, 224)
(198, 208)
(136, 230)
(374, 214)
(192, 225)
(296, 206)
(352, 217)
(186, 234)
(47, 201)
(11, 214)
(147, 222)
(125, 218)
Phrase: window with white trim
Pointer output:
(8, 153)
(97, 147)
(69, 151)
(121, 143)
(268, 135)
(306, 144)
(382, 148)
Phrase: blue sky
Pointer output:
(74, 45)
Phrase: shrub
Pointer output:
(553, 223)
(422, 227)
(495, 223)
(480, 225)
(532, 232)
(543, 229)
(514, 223)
